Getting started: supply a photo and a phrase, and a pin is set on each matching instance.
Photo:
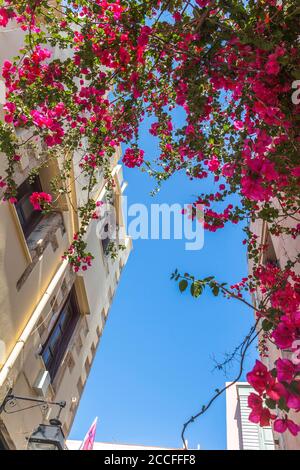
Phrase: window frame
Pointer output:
(25, 190)
(64, 329)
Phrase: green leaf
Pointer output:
(294, 387)
(271, 403)
(267, 325)
(183, 285)
(216, 290)
(282, 404)
(196, 289)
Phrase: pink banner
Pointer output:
(88, 442)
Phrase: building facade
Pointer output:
(51, 319)
(279, 250)
(241, 433)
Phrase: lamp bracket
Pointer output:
(10, 396)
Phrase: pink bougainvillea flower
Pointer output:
(293, 400)
(282, 425)
(285, 370)
(284, 336)
(39, 119)
(10, 108)
(254, 401)
(4, 18)
(238, 125)
(2, 182)
(253, 189)
(143, 39)
(275, 390)
(228, 169)
(40, 54)
(37, 199)
(133, 157)
(202, 3)
(272, 67)
(296, 171)
(293, 427)
(213, 164)
(259, 377)
(261, 416)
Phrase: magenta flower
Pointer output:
(261, 416)
(3, 17)
(275, 390)
(259, 377)
(285, 370)
(272, 67)
(293, 402)
(238, 125)
(281, 425)
(283, 336)
(37, 199)
(133, 157)
(213, 163)
(254, 401)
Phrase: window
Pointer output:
(105, 240)
(28, 217)
(58, 340)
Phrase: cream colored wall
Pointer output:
(16, 306)
(26, 367)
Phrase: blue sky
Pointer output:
(154, 368)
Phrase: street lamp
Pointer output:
(45, 436)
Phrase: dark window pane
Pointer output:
(26, 207)
(47, 357)
(65, 316)
(105, 240)
(59, 338)
(27, 215)
(55, 339)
